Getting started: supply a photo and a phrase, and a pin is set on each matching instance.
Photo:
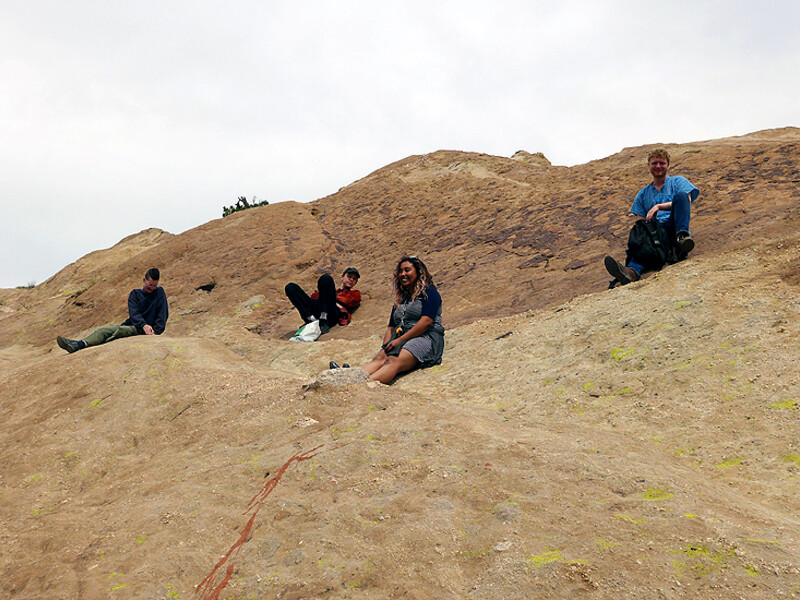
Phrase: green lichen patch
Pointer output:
(545, 558)
(786, 405)
(752, 571)
(629, 519)
(253, 458)
(700, 560)
(475, 554)
(727, 464)
(336, 433)
(690, 362)
(621, 353)
(794, 457)
(656, 494)
(762, 541)
(603, 545)
(171, 592)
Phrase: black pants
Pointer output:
(312, 307)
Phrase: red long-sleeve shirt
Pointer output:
(350, 299)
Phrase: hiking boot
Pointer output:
(323, 326)
(70, 345)
(333, 365)
(685, 243)
(621, 273)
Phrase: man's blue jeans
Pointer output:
(678, 222)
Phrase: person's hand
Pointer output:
(148, 330)
(652, 212)
(391, 345)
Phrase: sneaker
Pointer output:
(345, 366)
(623, 274)
(334, 365)
(323, 326)
(69, 345)
(685, 242)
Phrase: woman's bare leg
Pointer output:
(376, 363)
(393, 365)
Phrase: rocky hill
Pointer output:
(641, 442)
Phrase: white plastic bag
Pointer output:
(307, 333)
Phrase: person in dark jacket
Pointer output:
(147, 315)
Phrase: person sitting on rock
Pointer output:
(668, 199)
(147, 315)
(414, 336)
(327, 304)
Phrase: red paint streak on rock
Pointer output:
(209, 589)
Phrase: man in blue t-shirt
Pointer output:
(668, 199)
(147, 315)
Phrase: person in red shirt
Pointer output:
(327, 304)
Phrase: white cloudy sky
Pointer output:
(118, 116)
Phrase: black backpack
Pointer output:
(649, 244)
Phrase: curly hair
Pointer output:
(424, 279)
(658, 153)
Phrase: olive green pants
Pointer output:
(106, 334)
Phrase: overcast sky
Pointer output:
(119, 116)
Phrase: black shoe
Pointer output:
(685, 243)
(345, 366)
(623, 274)
(69, 345)
(333, 365)
(323, 326)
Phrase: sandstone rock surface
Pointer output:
(641, 442)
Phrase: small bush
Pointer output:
(242, 204)
(28, 286)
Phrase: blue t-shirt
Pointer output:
(649, 196)
(431, 303)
